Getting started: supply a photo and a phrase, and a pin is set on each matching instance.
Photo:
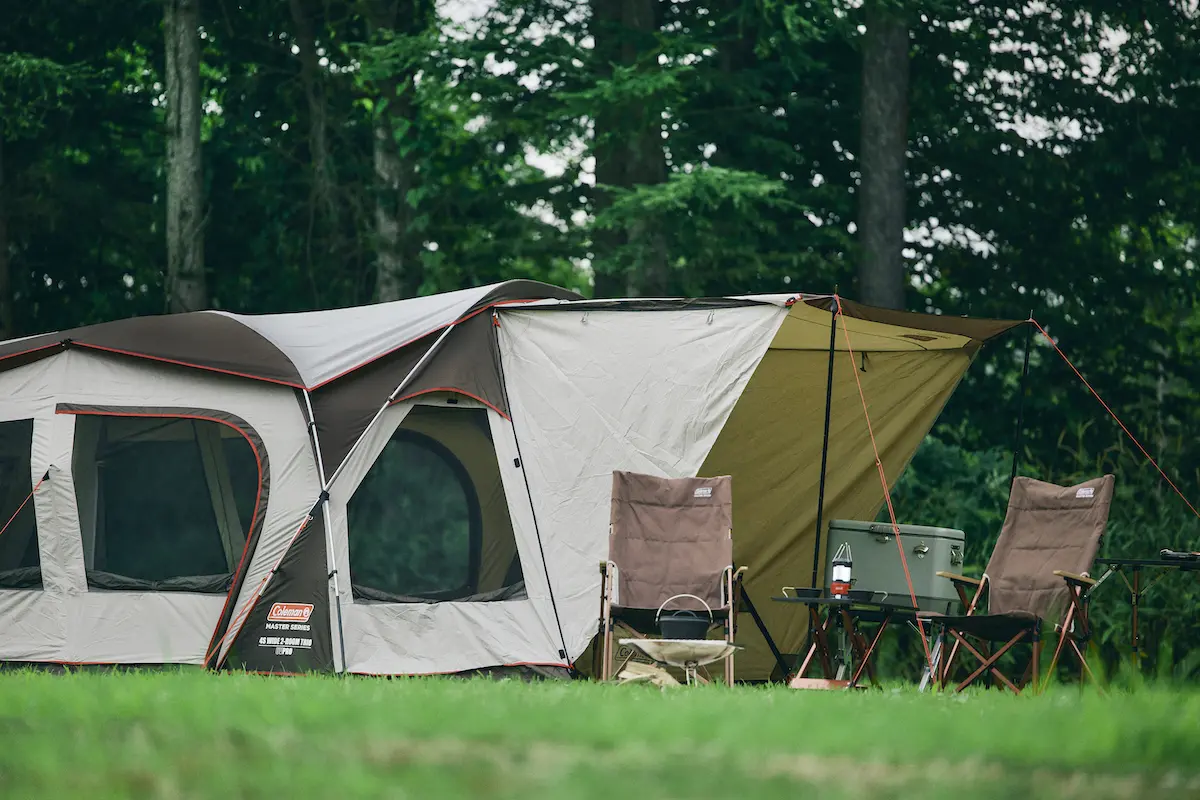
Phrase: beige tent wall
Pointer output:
(771, 445)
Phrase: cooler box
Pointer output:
(877, 567)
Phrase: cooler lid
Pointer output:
(860, 526)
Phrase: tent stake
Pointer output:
(328, 520)
(833, 313)
(1021, 403)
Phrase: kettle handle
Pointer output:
(672, 597)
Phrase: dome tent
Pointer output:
(422, 486)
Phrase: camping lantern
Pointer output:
(839, 585)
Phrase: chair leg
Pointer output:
(1064, 632)
(1035, 661)
(1084, 668)
(729, 639)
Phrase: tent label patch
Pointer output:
(285, 645)
(1086, 491)
(290, 612)
(703, 491)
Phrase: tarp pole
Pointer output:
(784, 670)
(833, 315)
(337, 594)
(1021, 404)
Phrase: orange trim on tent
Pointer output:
(452, 390)
(179, 363)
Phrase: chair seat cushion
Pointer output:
(992, 627)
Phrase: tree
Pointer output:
(627, 142)
(882, 152)
(187, 288)
(396, 112)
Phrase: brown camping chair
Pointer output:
(670, 542)
(1037, 579)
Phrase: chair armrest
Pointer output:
(1075, 580)
(959, 578)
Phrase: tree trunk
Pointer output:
(6, 299)
(646, 162)
(323, 216)
(397, 253)
(186, 286)
(628, 149)
(881, 195)
(610, 167)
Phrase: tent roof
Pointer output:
(305, 350)
(310, 349)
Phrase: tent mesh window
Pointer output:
(430, 521)
(20, 559)
(164, 502)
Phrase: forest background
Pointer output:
(957, 156)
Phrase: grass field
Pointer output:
(181, 735)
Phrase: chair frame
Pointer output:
(731, 589)
(1074, 629)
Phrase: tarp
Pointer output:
(570, 390)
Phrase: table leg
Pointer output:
(870, 650)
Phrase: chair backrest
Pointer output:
(670, 536)
(1047, 528)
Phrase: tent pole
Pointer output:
(327, 482)
(784, 670)
(328, 520)
(391, 397)
(1021, 403)
(833, 315)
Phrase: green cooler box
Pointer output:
(877, 567)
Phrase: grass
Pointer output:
(182, 735)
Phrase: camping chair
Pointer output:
(670, 548)
(1036, 579)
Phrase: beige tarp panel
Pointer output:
(772, 447)
(597, 391)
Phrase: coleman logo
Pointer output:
(703, 491)
(290, 612)
(1087, 491)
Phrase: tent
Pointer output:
(421, 487)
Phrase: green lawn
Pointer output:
(184, 735)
